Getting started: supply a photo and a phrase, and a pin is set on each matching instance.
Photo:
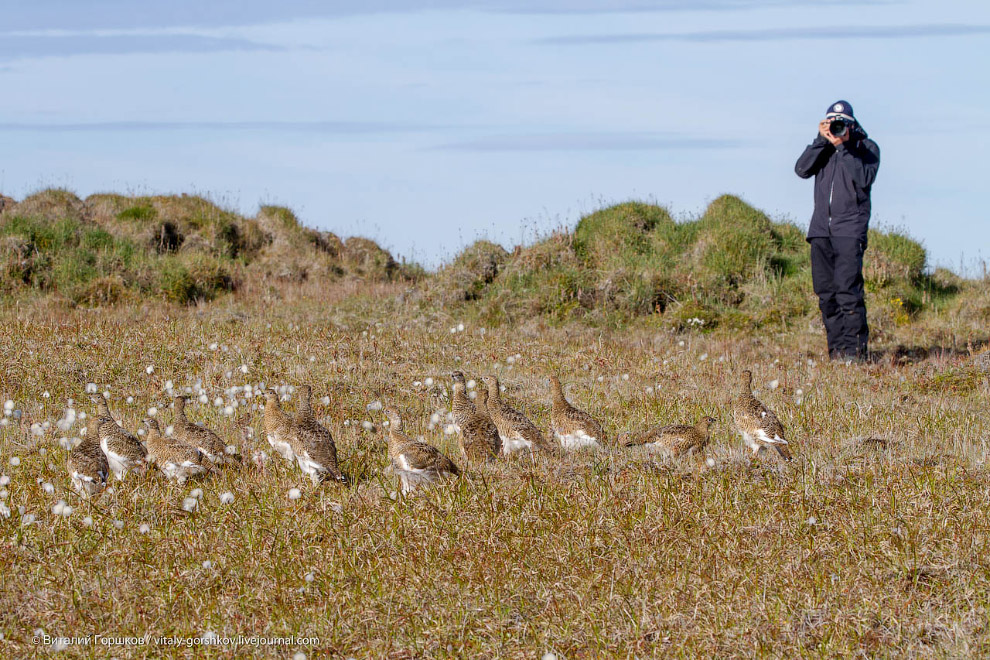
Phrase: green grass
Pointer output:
(876, 548)
(731, 265)
(182, 249)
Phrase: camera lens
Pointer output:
(837, 127)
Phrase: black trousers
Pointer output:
(837, 275)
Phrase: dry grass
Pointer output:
(872, 543)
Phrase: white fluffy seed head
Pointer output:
(227, 498)
(62, 509)
(295, 494)
(144, 528)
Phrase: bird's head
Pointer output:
(746, 378)
(394, 421)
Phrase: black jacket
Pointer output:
(844, 176)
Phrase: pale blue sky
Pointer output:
(427, 124)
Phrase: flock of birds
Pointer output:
(487, 428)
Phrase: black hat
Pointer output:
(841, 110)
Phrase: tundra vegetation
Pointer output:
(873, 541)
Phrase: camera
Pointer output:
(838, 127)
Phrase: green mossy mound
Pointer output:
(181, 248)
(732, 266)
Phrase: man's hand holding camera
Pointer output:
(825, 130)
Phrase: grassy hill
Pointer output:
(180, 248)
(731, 267)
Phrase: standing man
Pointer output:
(844, 162)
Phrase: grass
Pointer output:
(730, 266)
(110, 249)
(874, 542)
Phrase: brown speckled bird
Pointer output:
(200, 437)
(756, 423)
(478, 435)
(416, 463)
(124, 452)
(177, 460)
(518, 433)
(574, 428)
(278, 427)
(675, 439)
(312, 443)
(88, 467)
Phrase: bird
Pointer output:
(516, 430)
(88, 467)
(200, 437)
(478, 435)
(124, 452)
(575, 429)
(415, 462)
(102, 410)
(312, 443)
(675, 439)
(176, 459)
(278, 426)
(756, 423)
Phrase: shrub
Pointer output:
(477, 266)
(54, 204)
(282, 217)
(735, 242)
(619, 232)
(364, 258)
(893, 257)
